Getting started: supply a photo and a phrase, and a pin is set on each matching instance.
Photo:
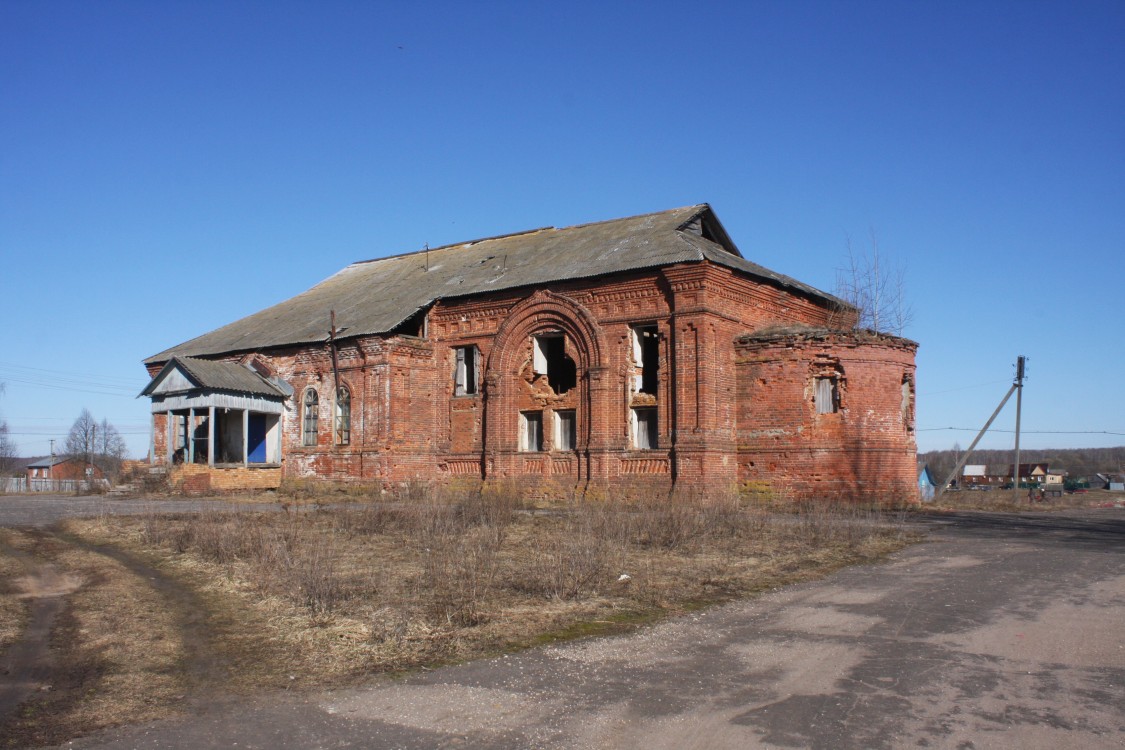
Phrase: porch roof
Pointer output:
(187, 374)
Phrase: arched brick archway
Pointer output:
(505, 389)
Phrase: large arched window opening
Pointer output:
(343, 416)
(311, 415)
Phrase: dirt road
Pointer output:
(1001, 632)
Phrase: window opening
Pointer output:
(549, 358)
(644, 428)
(827, 396)
(531, 431)
(646, 359)
(908, 403)
(566, 430)
(311, 416)
(465, 371)
(343, 416)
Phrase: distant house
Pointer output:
(926, 483)
(974, 475)
(999, 475)
(1055, 477)
(62, 467)
(1097, 481)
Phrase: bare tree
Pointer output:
(7, 446)
(877, 288)
(96, 444)
(81, 441)
(111, 449)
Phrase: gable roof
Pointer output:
(48, 462)
(376, 296)
(206, 374)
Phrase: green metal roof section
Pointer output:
(376, 296)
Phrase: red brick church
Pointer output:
(645, 349)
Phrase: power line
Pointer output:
(962, 388)
(120, 392)
(1033, 432)
(105, 379)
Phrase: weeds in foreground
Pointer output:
(320, 594)
(458, 558)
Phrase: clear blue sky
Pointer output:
(168, 167)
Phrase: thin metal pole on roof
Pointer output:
(335, 367)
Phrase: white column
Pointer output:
(191, 435)
(211, 436)
(169, 432)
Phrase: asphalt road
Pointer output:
(1000, 632)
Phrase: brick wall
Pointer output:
(407, 423)
(192, 479)
(865, 449)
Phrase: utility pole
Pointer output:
(1016, 386)
(1020, 362)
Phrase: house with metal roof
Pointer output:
(566, 357)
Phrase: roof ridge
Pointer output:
(468, 243)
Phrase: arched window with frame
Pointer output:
(310, 417)
(343, 416)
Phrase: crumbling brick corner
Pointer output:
(827, 414)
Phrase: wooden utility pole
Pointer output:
(1016, 386)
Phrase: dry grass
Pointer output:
(1017, 501)
(116, 653)
(317, 596)
(14, 607)
(440, 576)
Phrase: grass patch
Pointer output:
(14, 607)
(117, 657)
(1016, 501)
(316, 595)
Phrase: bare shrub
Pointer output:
(460, 570)
(572, 561)
(312, 574)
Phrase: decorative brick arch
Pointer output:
(544, 311)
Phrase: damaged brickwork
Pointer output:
(648, 377)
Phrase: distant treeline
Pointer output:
(1077, 462)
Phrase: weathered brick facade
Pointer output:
(644, 376)
(862, 445)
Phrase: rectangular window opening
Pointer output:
(531, 431)
(827, 396)
(646, 359)
(644, 428)
(549, 358)
(466, 373)
(566, 430)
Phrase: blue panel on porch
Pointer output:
(256, 439)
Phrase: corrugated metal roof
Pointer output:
(376, 296)
(217, 376)
(46, 463)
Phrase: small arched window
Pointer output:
(343, 416)
(312, 412)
